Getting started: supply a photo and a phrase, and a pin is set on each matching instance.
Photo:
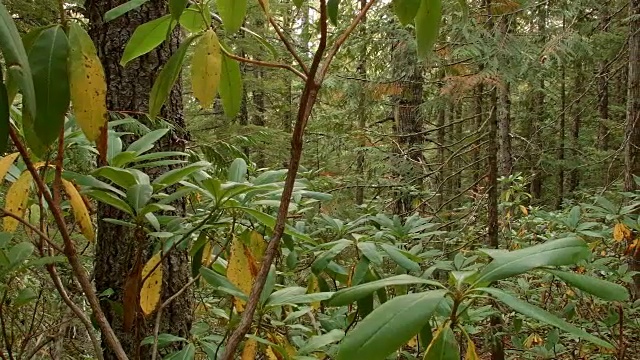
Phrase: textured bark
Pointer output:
(539, 117)
(603, 88)
(574, 175)
(632, 133)
(128, 91)
(560, 153)
(362, 107)
(504, 114)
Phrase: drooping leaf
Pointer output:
(601, 288)
(332, 11)
(48, 61)
(237, 171)
(147, 37)
(110, 199)
(151, 290)
(194, 20)
(560, 252)
(177, 7)
(16, 201)
(318, 342)
(389, 326)
(270, 222)
(173, 176)
(231, 87)
(406, 10)
(206, 68)
(167, 78)
(250, 350)
(221, 283)
(348, 295)
(122, 9)
(323, 260)
(539, 314)
(5, 164)
(88, 87)
(370, 250)
(400, 258)
(427, 23)
(16, 60)
(238, 270)
(443, 346)
(80, 211)
(187, 353)
(146, 142)
(20, 252)
(232, 13)
(471, 353)
(139, 195)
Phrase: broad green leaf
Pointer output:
(4, 118)
(370, 250)
(406, 10)
(270, 222)
(332, 11)
(20, 252)
(230, 87)
(427, 23)
(167, 78)
(567, 251)
(221, 283)
(237, 171)
(88, 86)
(187, 353)
(122, 9)
(351, 294)
(194, 21)
(171, 177)
(399, 258)
(389, 326)
(539, 314)
(206, 67)
(177, 7)
(444, 346)
(147, 37)
(279, 300)
(146, 142)
(15, 58)
(121, 177)
(232, 13)
(601, 288)
(318, 342)
(139, 195)
(48, 61)
(110, 199)
(163, 340)
(323, 260)
(298, 3)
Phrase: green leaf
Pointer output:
(111, 200)
(146, 142)
(20, 252)
(318, 342)
(122, 9)
(15, 59)
(279, 300)
(270, 222)
(400, 258)
(221, 283)
(370, 250)
(323, 260)
(237, 171)
(171, 177)
(230, 87)
(167, 78)
(298, 3)
(332, 11)
(163, 340)
(389, 326)
(444, 346)
(427, 22)
(567, 251)
(187, 353)
(121, 177)
(4, 117)
(147, 37)
(601, 288)
(139, 195)
(193, 20)
(232, 13)
(48, 61)
(539, 314)
(177, 7)
(351, 294)
(406, 10)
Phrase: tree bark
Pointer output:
(128, 90)
(603, 89)
(539, 108)
(362, 107)
(574, 175)
(560, 153)
(504, 114)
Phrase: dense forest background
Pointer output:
(458, 179)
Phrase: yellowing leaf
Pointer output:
(413, 342)
(239, 270)
(312, 287)
(524, 210)
(151, 290)
(16, 201)
(207, 254)
(471, 354)
(87, 84)
(257, 245)
(620, 232)
(5, 164)
(80, 211)
(206, 68)
(271, 355)
(250, 350)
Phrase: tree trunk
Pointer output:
(603, 89)
(128, 90)
(504, 114)
(362, 107)
(632, 133)
(574, 175)
(561, 138)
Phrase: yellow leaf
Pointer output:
(207, 254)
(206, 68)
(80, 211)
(87, 84)
(239, 270)
(257, 245)
(413, 342)
(524, 210)
(312, 287)
(151, 290)
(5, 164)
(16, 201)
(620, 232)
(471, 354)
(250, 350)
(271, 355)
